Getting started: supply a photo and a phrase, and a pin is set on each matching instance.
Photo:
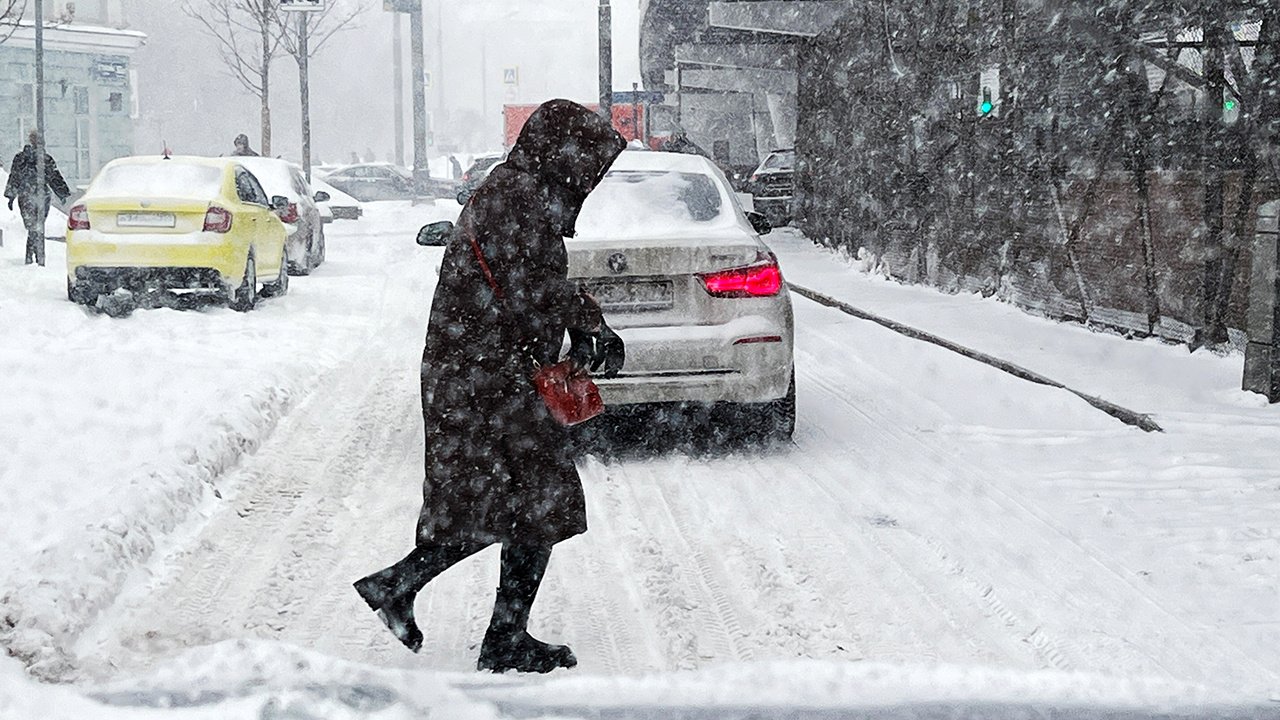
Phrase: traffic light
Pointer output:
(987, 105)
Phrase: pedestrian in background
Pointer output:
(499, 468)
(32, 196)
(242, 147)
(455, 167)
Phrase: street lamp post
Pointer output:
(39, 97)
(606, 59)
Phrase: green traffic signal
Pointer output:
(1229, 105)
(986, 107)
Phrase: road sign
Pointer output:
(301, 5)
(511, 76)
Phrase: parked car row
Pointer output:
(369, 182)
(237, 227)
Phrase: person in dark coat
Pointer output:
(455, 168)
(499, 468)
(31, 195)
(242, 147)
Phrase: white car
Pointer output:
(682, 275)
(306, 246)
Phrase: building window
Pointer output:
(82, 148)
(117, 102)
(82, 100)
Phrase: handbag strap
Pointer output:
(468, 227)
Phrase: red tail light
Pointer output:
(761, 279)
(217, 220)
(290, 214)
(78, 218)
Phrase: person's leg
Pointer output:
(507, 644)
(391, 592)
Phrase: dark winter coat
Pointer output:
(498, 467)
(23, 188)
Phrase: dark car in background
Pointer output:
(368, 182)
(479, 170)
(772, 186)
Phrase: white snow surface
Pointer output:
(188, 495)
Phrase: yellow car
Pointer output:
(178, 223)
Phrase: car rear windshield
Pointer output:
(651, 202)
(780, 161)
(169, 179)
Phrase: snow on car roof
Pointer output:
(653, 160)
(275, 175)
(181, 176)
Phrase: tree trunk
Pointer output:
(1211, 149)
(265, 74)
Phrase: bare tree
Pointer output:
(303, 37)
(11, 14)
(249, 40)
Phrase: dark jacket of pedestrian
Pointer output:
(23, 186)
(242, 147)
(498, 467)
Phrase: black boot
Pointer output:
(507, 644)
(391, 592)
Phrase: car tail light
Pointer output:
(290, 214)
(760, 279)
(78, 218)
(217, 220)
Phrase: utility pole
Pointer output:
(304, 79)
(606, 60)
(397, 69)
(39, 94)
(416, 42)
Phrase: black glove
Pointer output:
(609, 352)
(582, 348)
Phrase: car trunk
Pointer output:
(147, 215)
(650, 290)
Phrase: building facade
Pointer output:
(89, 88)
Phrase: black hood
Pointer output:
(568, 149)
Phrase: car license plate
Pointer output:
(633, 295)
(145, 219)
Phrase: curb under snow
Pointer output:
(1124, 415)
(68, 585)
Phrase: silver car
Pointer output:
(306, 244)
(683, 276)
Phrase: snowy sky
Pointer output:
(189, 102)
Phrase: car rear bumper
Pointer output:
(138, 279)
(747, 360)
(89, 250)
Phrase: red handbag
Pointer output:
(570, 394)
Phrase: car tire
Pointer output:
(280, 287)
(245, 297)
(774, 421)
(320, 254)
(81, 293)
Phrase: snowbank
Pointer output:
(251, 679)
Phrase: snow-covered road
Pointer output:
(911, 522)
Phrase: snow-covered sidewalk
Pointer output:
(1189, 512)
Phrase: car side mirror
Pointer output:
(279, 203)
(463, 197)
(321, 196)
(436, 234)
(760, 223)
